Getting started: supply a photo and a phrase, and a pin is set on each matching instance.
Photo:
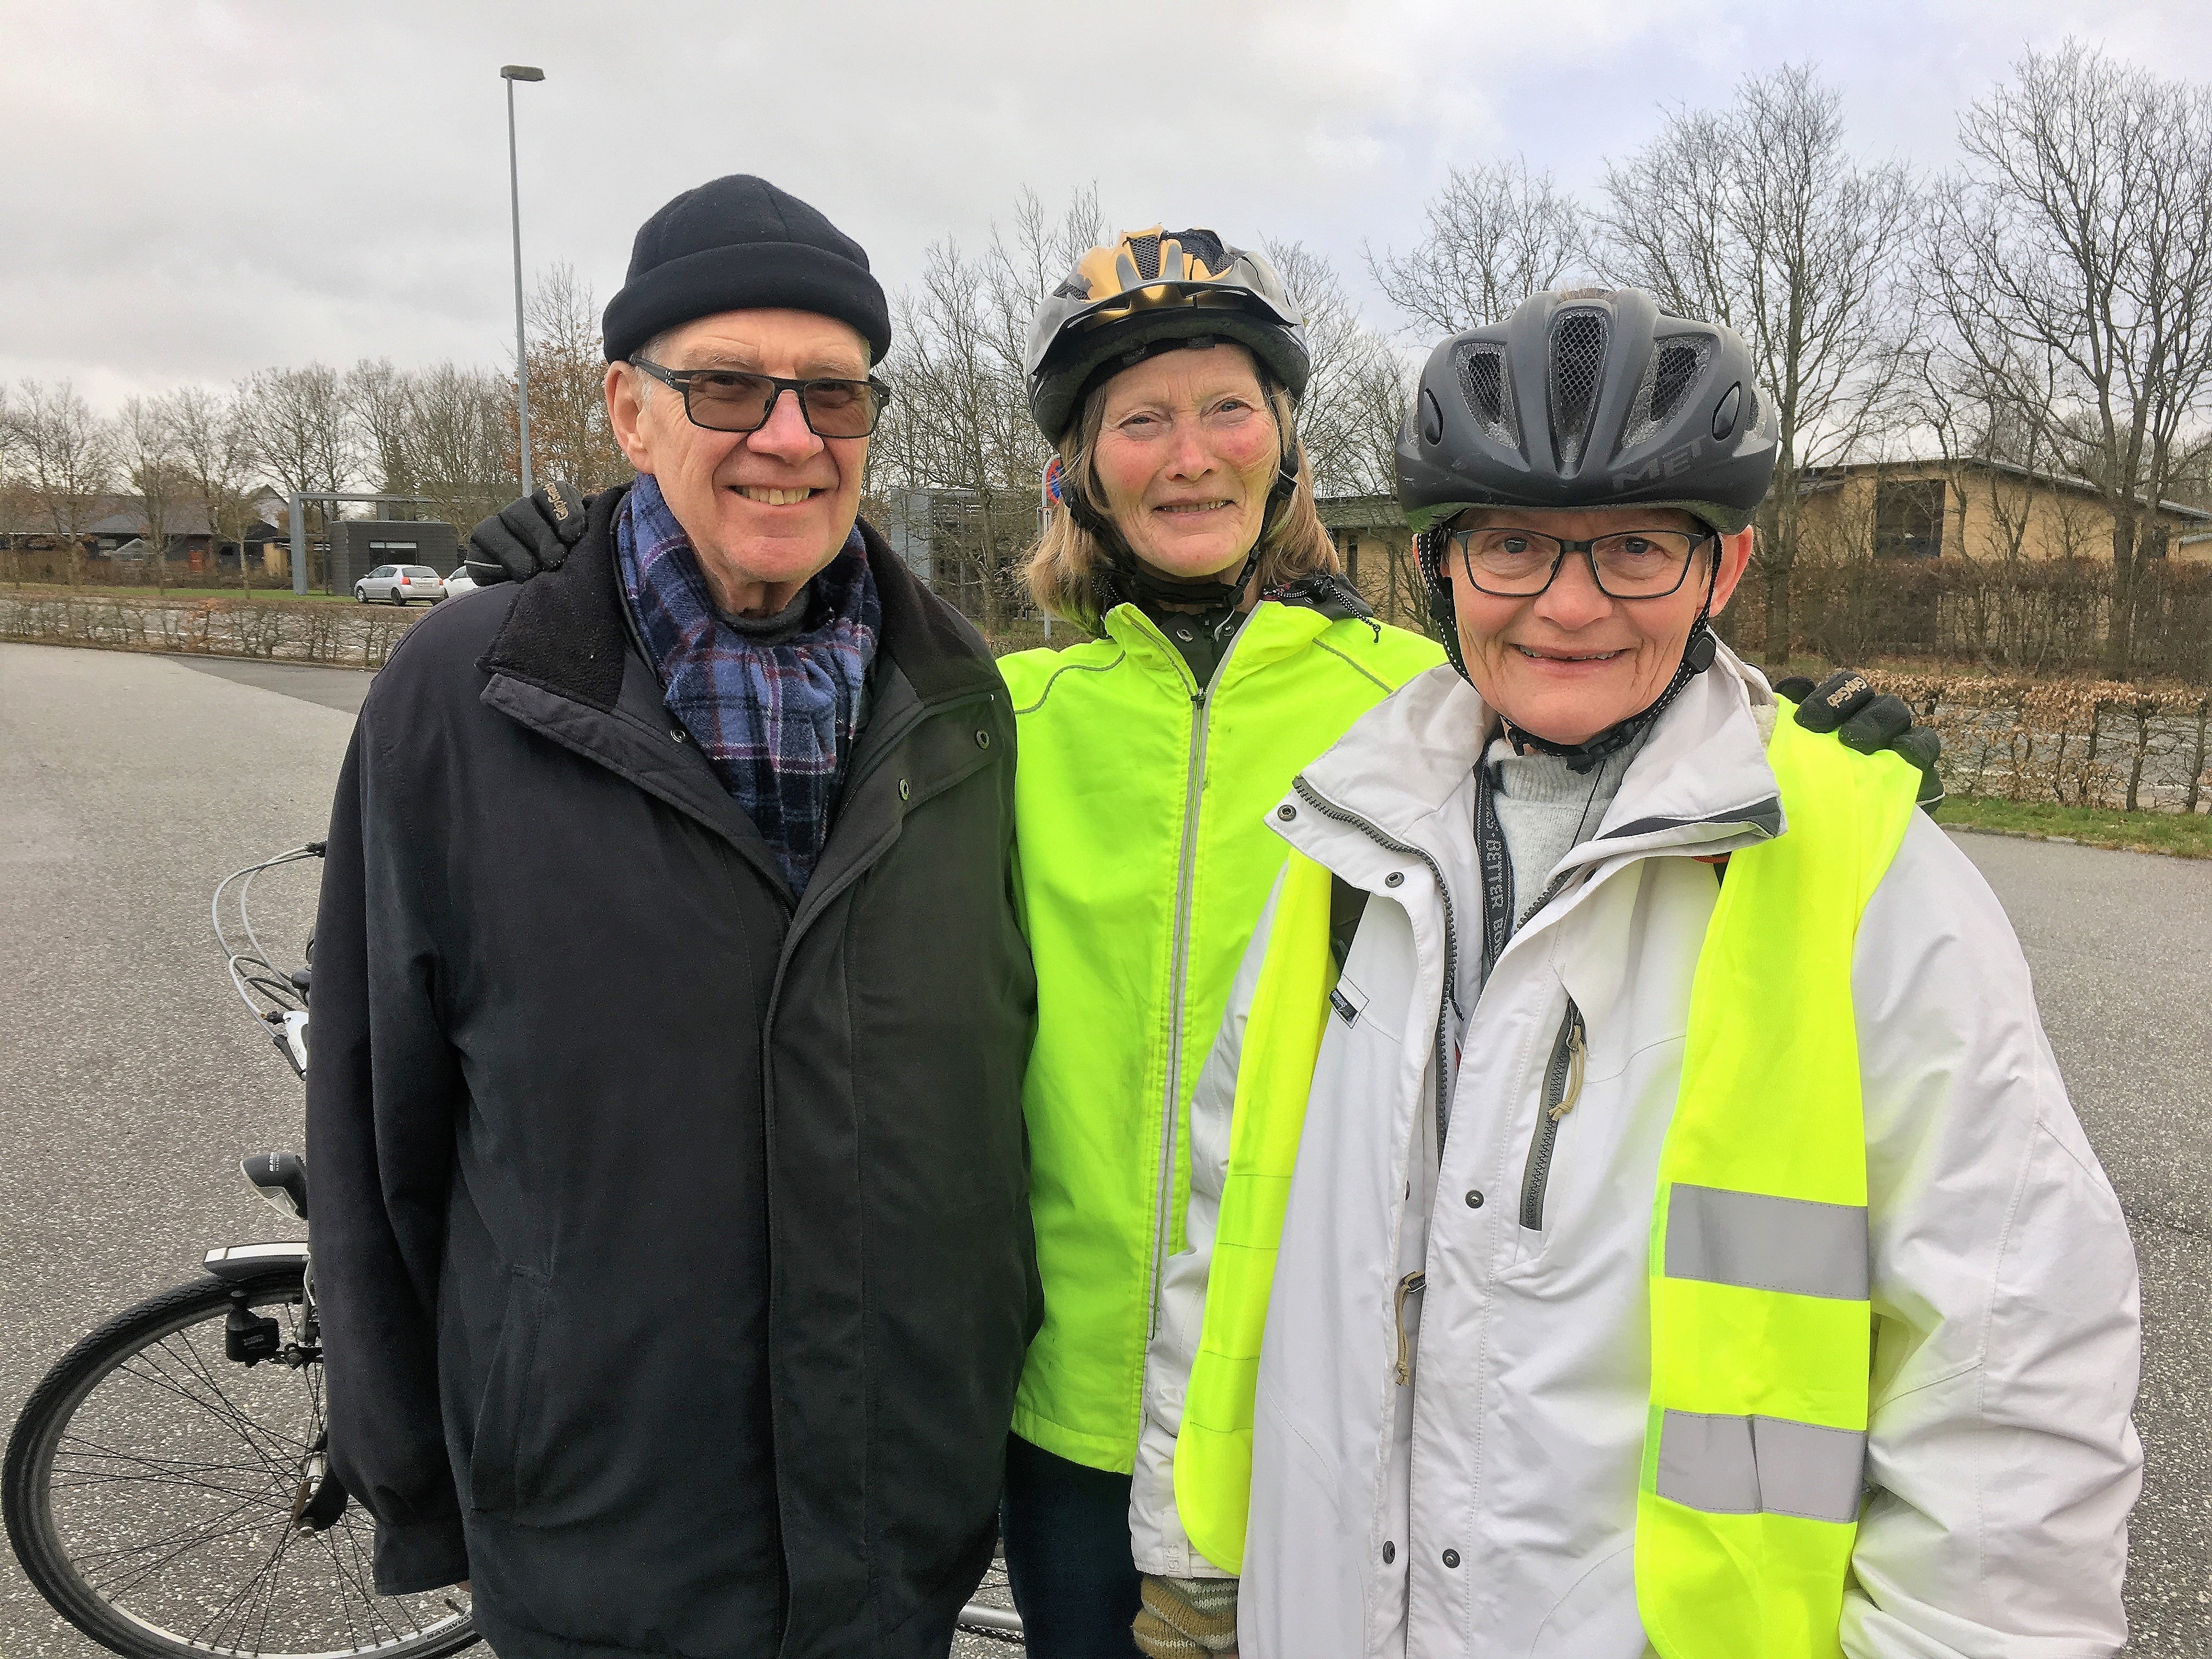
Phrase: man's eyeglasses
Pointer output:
(736, 400)
(1630, 564)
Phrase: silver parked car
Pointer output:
(400, 584)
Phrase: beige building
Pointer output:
(1987, 510)
(1377, 550)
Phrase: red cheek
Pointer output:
(1244, 448)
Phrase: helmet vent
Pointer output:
(1204, 246)
(1144, 252)
(1578, 363)
(1482, 379)
(1675, 367)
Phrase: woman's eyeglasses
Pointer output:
(1629, 564)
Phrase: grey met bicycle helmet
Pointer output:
(1589, 398)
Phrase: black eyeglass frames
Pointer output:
(737, 400)
(1629, 564)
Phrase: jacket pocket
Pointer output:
(510, 1398)
(1563, 1087)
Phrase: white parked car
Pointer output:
(400, 584)
(458, 581)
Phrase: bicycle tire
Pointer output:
(27, 1484)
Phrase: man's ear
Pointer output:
(1734, 556)
(625, 416)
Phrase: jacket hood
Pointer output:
(1701, 776)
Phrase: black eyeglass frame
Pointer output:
(681, 379)
(1589, 550)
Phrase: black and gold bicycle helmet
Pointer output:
(1149, 290)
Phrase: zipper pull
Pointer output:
(1406, 1286)
(1578, 1055)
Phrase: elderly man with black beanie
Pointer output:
(670, 1223)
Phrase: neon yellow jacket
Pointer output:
(1145, 859)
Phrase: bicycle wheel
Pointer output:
(149, 1489)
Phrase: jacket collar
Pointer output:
(1272, 632)
(567, 633)
(1701, 779)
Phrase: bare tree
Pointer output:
(216, 455)
(298, 429)
(15, 503)
(1496, 233)
(67, 455)
(1348, 417)
(570, 436)
(952, 388)
(461, 441)
(380, 403)
(2072, 242)
(1757, 217)
(147, 450)
(959, 415)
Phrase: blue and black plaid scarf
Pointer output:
(775, 719)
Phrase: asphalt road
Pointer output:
(131, 1080)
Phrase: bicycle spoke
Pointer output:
(200, 1365)
(347, 1580)
(268, 1589)
(82, 1461)
(135, 1573)
(223, 1412)
(219, 1618)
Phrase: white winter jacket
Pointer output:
(1487, 1508)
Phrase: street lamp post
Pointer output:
(511, 73)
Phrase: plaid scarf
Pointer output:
(776, 720)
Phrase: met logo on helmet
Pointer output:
(1671, 464)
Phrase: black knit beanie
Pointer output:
(738, 244)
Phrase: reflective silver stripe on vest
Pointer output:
(1766, 1243)
(1761, 1465)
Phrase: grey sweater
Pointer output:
(1546, 809)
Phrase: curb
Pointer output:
(2065, 840)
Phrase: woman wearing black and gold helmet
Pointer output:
(1166, 371)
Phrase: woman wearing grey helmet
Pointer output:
(1631, 1128)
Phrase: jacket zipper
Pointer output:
(1329, 809)
(1563, 1087)
(1411, 1285)
(1201, 726)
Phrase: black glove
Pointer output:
(526, 537)
(1845, 704)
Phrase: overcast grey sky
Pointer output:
(196, 189)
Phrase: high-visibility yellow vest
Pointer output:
(1761, 1330)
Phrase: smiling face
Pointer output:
(1569, 662)
(763, 510)
(1186, 452)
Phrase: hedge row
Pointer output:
(300, 630)
(2037, 618)
(2078, 743)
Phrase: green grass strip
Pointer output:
(2182, 835)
